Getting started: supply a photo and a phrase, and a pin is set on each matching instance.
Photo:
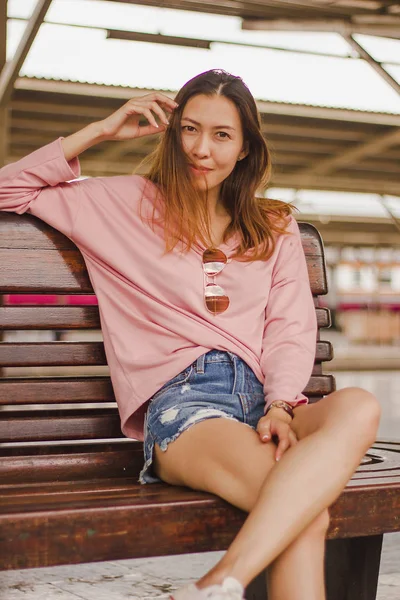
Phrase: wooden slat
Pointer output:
(36, 258)
(62, 496)
(60, 425)
(43, 272)
(32, 464)
(56, 317)
(76, 317)
(72, 390)
(25, 492)
(320, 385)
(55, 390)
(40, 463)
(314, 252)
(31, 354)
(323, 317)
(27, 232)
(90, 423)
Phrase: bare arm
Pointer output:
(78, 142)
(123, 124)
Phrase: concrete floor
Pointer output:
(148, 579)
(156, 578)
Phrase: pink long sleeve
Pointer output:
(290, 331)
(37, 184)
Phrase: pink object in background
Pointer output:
(80, 299)
(43, 299)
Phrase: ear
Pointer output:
(244, 152)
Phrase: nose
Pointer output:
(201, 146)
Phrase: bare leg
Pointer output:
(298, 573)
(334, 433)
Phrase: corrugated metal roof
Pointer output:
(174, 91)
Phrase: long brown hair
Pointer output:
(185, 214)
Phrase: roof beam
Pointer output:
(373, 145)
(340, 183)
(12, 68)
(3, 109)
(3, 34)
(297, 24)
(342, 26)
(115, 93)
(321, 132)
(377, 66)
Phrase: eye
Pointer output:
(188, 126)
(225, 134)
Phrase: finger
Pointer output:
(283, 445)
(264, 431)
(159, 111)
(293, 439)
(134, 108)
(146, 112)
(166, 100)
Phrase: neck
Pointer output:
(217, 209)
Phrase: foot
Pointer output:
(229, 589)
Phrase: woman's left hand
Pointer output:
(277, 424)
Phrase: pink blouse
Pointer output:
(153, 317)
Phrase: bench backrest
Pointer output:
(69, 397)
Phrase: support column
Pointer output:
(3, 109)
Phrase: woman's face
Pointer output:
(212, 139)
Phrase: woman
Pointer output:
(209, 372)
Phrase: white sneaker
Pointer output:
(229, 589)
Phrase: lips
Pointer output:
(202, 169)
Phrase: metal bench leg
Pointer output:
(351, 570)
(352, 567)
(257, 590)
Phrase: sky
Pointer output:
(84, 54)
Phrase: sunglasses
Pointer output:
(216, 300)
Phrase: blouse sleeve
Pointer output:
(38, 184)
(290, 328)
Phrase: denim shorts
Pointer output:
(217, 384)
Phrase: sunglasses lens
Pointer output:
(216, 300)
(213, 263)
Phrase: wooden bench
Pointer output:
(68, 479)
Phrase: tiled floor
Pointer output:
(155, 578)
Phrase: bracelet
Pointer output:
(281, 404)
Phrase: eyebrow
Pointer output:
(215, 127)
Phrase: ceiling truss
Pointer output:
(312, 147)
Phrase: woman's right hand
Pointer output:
(123, 124)
(277, 424)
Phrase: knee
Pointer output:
(362, 412)
(320, 525)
